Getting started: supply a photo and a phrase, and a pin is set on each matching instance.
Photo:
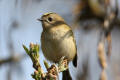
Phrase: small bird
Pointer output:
(57, 39)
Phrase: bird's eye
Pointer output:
(50, 19)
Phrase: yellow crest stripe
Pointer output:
(47, 13)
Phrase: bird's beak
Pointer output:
(40, 19)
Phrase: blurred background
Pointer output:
(93, 21)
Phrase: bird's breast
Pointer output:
(58, 43)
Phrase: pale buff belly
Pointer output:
(55, 49)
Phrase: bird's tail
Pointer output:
(75, 61)
(66, 75)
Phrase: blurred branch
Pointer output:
(87, 9)
(100, 10)
(102, 56)
(97, 7)
(12, 59)
(94, 9)
(109, 22)
(106, 35)
(52, 71)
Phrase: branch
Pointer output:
(52, 71)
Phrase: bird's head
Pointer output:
(50, 20)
